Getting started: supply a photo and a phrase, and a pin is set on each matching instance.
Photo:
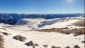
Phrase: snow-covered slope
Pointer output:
(62, 24)
(24, 26)
(40, 23)
(28, 24)
(41, 38)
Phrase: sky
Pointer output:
(41, 6)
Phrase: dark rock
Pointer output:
(76, 46)
(20, 38)
(29, 43)
(55, 47)
(65, 28)
(5, 33)
(67, 33)
(36, 45)
(83, 41)
(45, 46)
(67, 47)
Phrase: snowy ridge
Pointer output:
(40, 23)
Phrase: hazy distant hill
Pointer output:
(13, 18)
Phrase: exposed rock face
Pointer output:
(76, 46)
(20, 38)
(30, 44)
(76, 32)
(1, 42)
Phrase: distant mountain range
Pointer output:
(12, 18)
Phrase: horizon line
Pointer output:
(41, 13)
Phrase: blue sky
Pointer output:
(41, 6)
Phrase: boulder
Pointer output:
(20, 38)
(29, 43)
(83, 41)
(55, 47)
(36, 45)
(76, 46)
(67, 47)
(45, 46)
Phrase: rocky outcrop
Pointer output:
(20, 38)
